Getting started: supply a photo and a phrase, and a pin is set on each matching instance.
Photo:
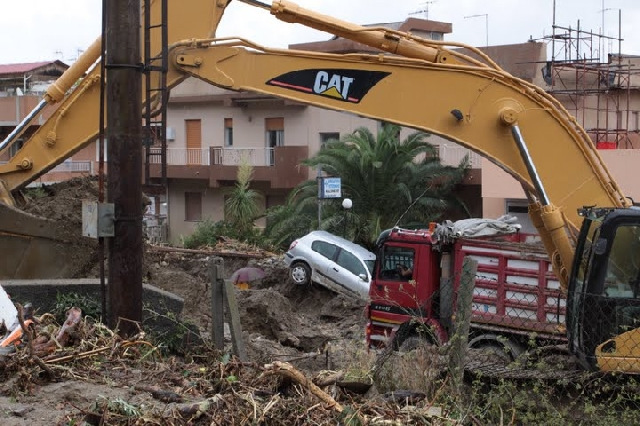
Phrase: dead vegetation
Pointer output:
(91, 375)
(308, 364)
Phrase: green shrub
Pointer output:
(208, 233)
(90, 307)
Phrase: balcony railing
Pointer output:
(237, 156)
(216, 155)
(452, 155)
(74, 167)
(70, 167)
(183, 156)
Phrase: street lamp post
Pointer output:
(346, 205)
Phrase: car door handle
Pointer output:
(335, 269)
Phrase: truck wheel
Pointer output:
(300, 273)
(413, 342)
(410, 337)
(497, 348)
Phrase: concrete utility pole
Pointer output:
(124, 163)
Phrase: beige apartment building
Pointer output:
(210, 131)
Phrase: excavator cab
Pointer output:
(604, 291)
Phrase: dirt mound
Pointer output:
(61, 202)
(278, 318)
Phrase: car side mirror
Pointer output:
(363, 277)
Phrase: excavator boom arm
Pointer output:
(423, 85)
(477, 106)
(472, 106)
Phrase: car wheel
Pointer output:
(300, 273)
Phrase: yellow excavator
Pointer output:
(589, 228)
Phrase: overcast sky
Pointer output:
(40, 30)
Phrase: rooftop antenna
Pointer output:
(425, 10)
(486, 24)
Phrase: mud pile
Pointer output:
(280, 320)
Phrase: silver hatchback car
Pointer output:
(331, 261)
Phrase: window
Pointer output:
(15, 147)
(274, 136)
(228, 132)
(274, 128)
(619, 120)
(520, 209)
(351, 263)
(623, 268)
(324, 248)
(328, 136)
(193, 206)
(394, 257)
(194, 141)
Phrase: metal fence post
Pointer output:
(217, 302)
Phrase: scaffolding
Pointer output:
(601, 90)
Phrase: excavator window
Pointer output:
(623, 267)
(585, 255)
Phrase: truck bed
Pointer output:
(515, 286)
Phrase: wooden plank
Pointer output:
(235, 326)
(209, 252)
(458, 344)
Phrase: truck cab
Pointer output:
(396, 296)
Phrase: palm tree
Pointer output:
(241, 206)
(391, 182)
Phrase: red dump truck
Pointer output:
(517, 300)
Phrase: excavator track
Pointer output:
(513, 371)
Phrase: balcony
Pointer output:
(277, 167)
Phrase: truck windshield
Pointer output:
(396, 263)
